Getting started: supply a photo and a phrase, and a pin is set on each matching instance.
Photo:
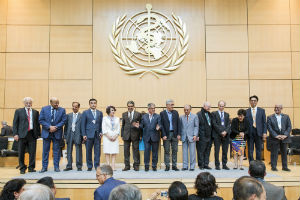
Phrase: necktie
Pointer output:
(150, 117)
(187, 118)
(28, 117)
(130, 116)
(94, 114)
(254, 117)
(52, 115)
(207, 117)
(222, 119)
(73, 122)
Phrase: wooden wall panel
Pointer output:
(3, 11)
(225, 12)
(22, 66)
(2, 65)
(296, 93)
(71, 12)
(27, 38)
(227, 65)
(8, 115)
(271, 92)
(234, 92)
(16, 90)
(226, 39)
(295, 39)
(68, 91)
(269, 37)
(295, 11)
(296, 118)
(71, 39)
(2, 89)
(296, 65)
(1, 115)
(270, 65)
(268, 12)
(70, 66)
(35, 12)
(3, 38)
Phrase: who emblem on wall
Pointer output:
(149, 42)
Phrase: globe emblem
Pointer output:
(149, 38)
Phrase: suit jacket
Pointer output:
(68, 129)
(88, 128)
(128, 131)
(103, 191)
(217, 125)
(166, 123)
(149, 128)
(273, 192)
(205, 130)
(59, 121)
(6, 131)
(237, 128)
(261, 125)
(274, 130)
(190, 128)
(20, 123)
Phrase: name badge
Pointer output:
(222, 123)
(94, 121)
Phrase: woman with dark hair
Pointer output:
(206, 187)
(178, 191)
(111, 131)
(239, 133)
(12, 189)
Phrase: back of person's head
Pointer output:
(205, 185)
(126, 192)
(178, 191)
(246, 188)
(12, 189)
(36, 192)
(257, 169)
(106, 170)
(48, 181)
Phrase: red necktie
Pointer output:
(28, 117)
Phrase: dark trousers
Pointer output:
(90, 143)
(203, 152)
(78, 147)
(274, 153)
(218, 142)
(171, 142)
(30, 142)
(148, 145)
(256, 140)
(56, 151)
(135, 152)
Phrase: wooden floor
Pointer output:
(84, 189)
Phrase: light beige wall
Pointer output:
(237, 48)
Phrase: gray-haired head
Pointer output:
(150, 105)
(4, 123)
(53, 99)
(222, 101)
(206, 104)
(169, 101)
(126, 192)
(106, 170)
(36, 192)
(187, 106)
(278, 106)
(27, 99)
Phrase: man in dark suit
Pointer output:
(52, 118)
(257, 170)
(131, 134)
(204, 141)
(91, 130)
(72, 133)
(279, 127)
(6, 130)
(150, 124)
(26, 129)
(221, 131)
(257, 128)
(170, 134)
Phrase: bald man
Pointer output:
(52, 118)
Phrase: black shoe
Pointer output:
(274, 169)
(225, 167)
(154, 169)
(67, 169)
(241, 168)
(207, 167)
(136, 169)
(235, 168)
(146, 169)
(167, 168)
(31, 170)
(43, 170)
(218, 168)
(244, 158)
(22, 171)
(90, 169)
(175, 168)
(126, 169)
(57, 170)
(184, 169)
(201, 168)
(286, 169)
(79, 169)
(191, 170)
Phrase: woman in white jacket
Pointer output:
(111, 131)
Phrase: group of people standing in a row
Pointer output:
(196, 131)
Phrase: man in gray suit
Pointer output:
(72, 133)
(279, 126)
(189, 133)
(257, 170)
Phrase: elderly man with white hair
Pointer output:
(36, 192)
(26, 130)
(52, 118)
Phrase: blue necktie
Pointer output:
(52, 116)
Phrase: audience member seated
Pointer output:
(12, 189)
(108, 183)
(48, 181)
(6, 130)
(36, 192)
(248, 188)
(206, 187)
(178, 191)
(125, 192)
(257, 169)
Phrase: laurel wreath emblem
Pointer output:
(171, 65)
